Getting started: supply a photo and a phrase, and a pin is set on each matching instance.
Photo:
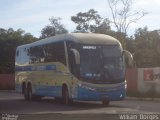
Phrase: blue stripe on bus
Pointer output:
(35, 68)
(51, 91)
(83, 94)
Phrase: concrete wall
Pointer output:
(7, 82)
(143, 80)
(132, 80)
(149, 80)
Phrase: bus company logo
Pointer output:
(148, 75)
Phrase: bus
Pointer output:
(75, 66)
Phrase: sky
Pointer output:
(33, 15)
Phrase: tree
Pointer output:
(55, 27)
(122, 14)
(28, 38)
(90, 21)
(103, 27)
(119, 36)
(147, 52)
(9, 40)
(130, 44)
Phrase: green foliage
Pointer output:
(90, 21)
(122, 37)
(55, 27)
(9, 40)
(146, 48)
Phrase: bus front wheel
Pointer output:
(28, 92)
(65, 95)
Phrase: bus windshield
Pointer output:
(102, 64)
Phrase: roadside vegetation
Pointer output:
(143, 44)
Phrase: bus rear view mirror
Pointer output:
(76, 55)
(128, 58)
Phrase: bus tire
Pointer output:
(25, 93)
(29, 92)
(65, 95)
(105, 102)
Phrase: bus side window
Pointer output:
(36, 54)
(55, 53)
(71, 62)
(17, 53)
(18, 56)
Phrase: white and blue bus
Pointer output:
(76, 66)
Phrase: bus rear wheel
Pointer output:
(25, 93)
(65, 95)
(105, 102)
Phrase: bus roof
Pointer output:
(82, 38)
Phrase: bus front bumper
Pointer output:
(93, 95)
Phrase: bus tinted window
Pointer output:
(17, 53)
(55, 53)
(36, 54)
(47, 53)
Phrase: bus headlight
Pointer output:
(125, 84)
